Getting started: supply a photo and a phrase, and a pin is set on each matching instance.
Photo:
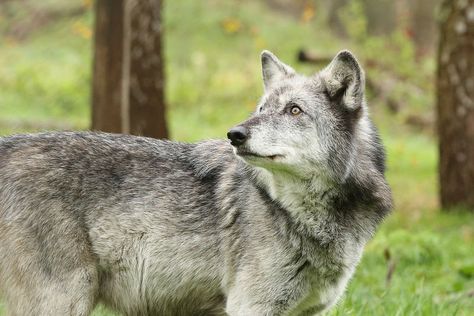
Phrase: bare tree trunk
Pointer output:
(146, 70)
(455, 88)
(128, 87)
(381, 19)
(334, 19)
(423, 23)
(107, 92)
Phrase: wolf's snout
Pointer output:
(238, 135)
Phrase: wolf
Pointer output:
(273, 222)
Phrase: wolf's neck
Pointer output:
(310, 204)
(299, 196)
(325, 210)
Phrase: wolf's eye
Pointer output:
(295, 110)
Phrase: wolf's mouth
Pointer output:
(251, 154)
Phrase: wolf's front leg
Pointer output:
(241, 303)
(245, 309)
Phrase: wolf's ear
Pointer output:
(273, 69)
(344, 80)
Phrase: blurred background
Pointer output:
(188, 70)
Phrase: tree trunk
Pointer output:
(380, 14)
(455, 88)
(128, 83)
(107, 90)
(423, 24)
(334, 19)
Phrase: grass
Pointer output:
(213, 82)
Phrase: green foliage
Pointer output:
(354, 20)
(392, 61)
(46, 79)
(395, 52)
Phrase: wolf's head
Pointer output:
(309, 125)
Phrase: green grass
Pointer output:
(433, 271)
(213, 82)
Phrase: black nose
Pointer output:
(238, 135)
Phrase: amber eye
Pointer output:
(295, 110)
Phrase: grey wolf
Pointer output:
(272, 223)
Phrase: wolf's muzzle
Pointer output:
(238, 135)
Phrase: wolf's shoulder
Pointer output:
(212, 157)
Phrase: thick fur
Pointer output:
(151, 227)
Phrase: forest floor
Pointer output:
(421, 262)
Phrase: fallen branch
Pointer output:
(308, 57)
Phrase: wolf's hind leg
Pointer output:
(47, 272)
(75, 295)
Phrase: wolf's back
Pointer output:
(82, 173)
